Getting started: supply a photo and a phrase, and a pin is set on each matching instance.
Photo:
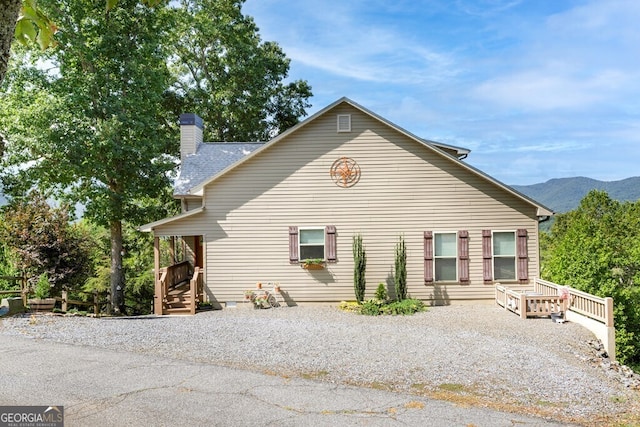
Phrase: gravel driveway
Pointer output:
(472, 355)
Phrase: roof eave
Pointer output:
(147, 228)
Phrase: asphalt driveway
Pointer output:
(100, 387)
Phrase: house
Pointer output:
(254, 212)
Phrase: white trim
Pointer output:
(324, 241)
(343, 123)
(454, 257)
(514, 256)
(147, 228)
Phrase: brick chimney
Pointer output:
(190, 134)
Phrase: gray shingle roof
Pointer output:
(210, 159)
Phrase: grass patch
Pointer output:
(314, 375)
(414, 405)
(453, 388)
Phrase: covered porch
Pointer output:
(178, 274)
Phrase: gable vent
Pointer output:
(344, 122)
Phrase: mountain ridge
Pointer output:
(565, 194)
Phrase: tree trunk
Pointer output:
(9, 12)
(117, 273)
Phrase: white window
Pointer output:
(445, 255)
(311, 243)
(344, 122)
(504, 255)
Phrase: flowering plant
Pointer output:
(261, 300)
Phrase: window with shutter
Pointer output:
(487, 267)
(445, 256)
(311, 243)
(504, 255)
(428, 257)
(331, 247)
(293, 244)
(523, 256)
(463, 256)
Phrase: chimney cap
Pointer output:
(191, 119)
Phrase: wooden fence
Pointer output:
(22, 289)
(594, 313)
(94, 304)
(20, 283)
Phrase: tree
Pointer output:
(9, 12)
(45, 242)
(95, 129)
(596, 249)
(359, 267)
(230, 77)
(29, 24)
(400, 270)
(24, 20)
(98, 128)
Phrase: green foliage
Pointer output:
(400, 276)
(96, 131)
(97, 125)
(232, 79)
(33, 26)
(405, 307)
(8, 263)
(45, 242)
(376, 307)
(43, 287)
(596, 248)
(359, 268)
(381, 292)
(137, 265)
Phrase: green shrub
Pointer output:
(372, 307)
(43, 287)
(376, 307)
(359, 267)
(400, 276)
(404, 307)
(381, 292)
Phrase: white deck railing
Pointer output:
(596, 308)
(594, 313)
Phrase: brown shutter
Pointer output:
(428, 257)
(487, 255)
(330, 243)
(463, 256)
(523, 256)
(293, 244)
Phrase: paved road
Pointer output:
(100, 387)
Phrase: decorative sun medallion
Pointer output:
(345, 172)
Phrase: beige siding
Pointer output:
(404, 189)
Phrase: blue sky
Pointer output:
(537, 89)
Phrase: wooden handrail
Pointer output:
(594, 307)
(193, 290)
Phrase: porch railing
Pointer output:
(596, 308)
(592, 312)
(196, 289)
(181, 274)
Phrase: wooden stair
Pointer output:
(178, 300)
